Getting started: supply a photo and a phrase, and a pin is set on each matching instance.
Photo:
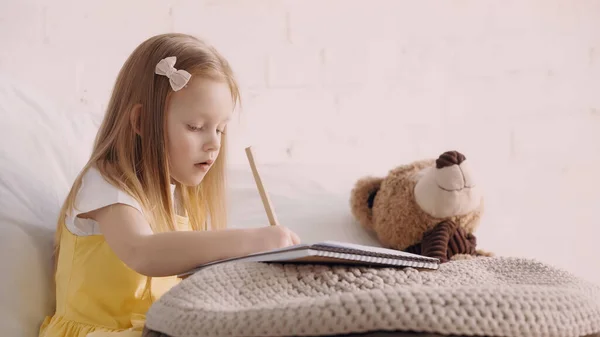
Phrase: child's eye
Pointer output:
(194, 128)
(221, 131)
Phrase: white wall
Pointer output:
(515, 85)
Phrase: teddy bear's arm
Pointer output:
(461, 242)
(435, 242)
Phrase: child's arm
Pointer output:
(164, 254)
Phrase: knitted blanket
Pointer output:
(496, 296)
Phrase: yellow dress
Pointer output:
(97, 295)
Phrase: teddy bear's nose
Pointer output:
(450, 158)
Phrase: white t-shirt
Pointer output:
(95, 192)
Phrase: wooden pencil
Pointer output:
(264, 196)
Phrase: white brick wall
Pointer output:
(515, 85)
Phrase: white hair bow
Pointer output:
(177, 78)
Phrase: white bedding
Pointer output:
(41, 147)
(44, 146)
(312, 200)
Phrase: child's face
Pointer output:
(196, 117)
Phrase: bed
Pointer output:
(53, 143)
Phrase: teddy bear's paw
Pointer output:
(459, 257)
(480, 252)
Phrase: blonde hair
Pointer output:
(138, 164)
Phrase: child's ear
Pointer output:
(134, 118)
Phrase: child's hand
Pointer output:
(274, 237)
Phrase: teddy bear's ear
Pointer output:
(362, 199)
(371, 199)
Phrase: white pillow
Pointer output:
(41, 150)
(312, 200)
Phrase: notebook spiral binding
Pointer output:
(374, 254)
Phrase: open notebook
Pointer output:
(336, 253)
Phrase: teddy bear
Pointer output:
(429, 207)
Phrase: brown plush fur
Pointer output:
(395, 216)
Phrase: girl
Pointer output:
(138, 213)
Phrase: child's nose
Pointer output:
(213, 145)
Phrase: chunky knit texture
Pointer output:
(496, 296)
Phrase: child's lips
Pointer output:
(204, 165)
(208, 162)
